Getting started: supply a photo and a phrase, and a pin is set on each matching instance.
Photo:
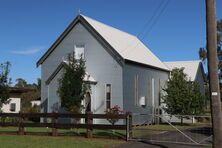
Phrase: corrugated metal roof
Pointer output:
(190, 67)
(127, 45)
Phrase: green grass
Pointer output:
(112, 134)
(12, 141)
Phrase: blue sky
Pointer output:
(29, 27)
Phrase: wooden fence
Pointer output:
(54, 124)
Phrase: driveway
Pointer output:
(144, 144)
(197, 134)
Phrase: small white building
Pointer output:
(193, 69)
(13, 106)
(121, 69)
(14, 102)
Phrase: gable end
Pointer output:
(92, 31)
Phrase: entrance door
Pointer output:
(88, 102)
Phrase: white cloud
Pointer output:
(28, 51)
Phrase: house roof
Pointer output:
(128, 46)
(87, 78)
(20, 90)
(190, 67)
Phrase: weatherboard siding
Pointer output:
(200, 80)
(99, 64)
(145, 76)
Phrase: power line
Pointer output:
(146, 24)
(158, 16)
(162, 7)
(151, 18)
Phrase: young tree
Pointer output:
(72, 87)
(183, 97)
(4, 83)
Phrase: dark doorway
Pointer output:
(88, 102)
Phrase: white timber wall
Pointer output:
(6, 107)
(99, 64)
(150, 83)
(200, 80)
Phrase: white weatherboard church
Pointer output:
(120, 68)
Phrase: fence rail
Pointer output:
(88, 125)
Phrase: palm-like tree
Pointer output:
(203, 51)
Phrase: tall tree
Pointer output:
(4, 82)
(182, 97)
(72, 87)
(21, 83)
(203, 50)
(32, 94)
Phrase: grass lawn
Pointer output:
(112, 134)
(12, 141)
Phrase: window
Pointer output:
(108, 96)
(12, 107)
(79, 51)
(136, 95)
(153, 92)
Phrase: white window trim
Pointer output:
(153, 92)
(84, 47)
(136, 94)
(111, 92)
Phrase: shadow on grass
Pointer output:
(207, 131)
(154, 144)
(110, 134)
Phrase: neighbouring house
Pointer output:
(14, 103)
(36, 102)
(195, 72)
(193, 69)
(120, 68)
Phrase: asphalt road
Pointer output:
(197, 134)
(144, 144)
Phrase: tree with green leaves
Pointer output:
(72, 88)
(33, 93)
(4, 83)
(182, 96)
(21, 83)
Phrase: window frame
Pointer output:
(76, 46)
(110, 97)
(11, 108)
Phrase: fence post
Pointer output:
(129, 126)
(54, 122)
(89, 122)
(21, 125)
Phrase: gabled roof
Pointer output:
(190, 67)
(128, 46)
(87, 78)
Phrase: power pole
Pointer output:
(216, 112)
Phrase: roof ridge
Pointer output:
(109, 26)
(190, 61)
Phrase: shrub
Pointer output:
(113, 111)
